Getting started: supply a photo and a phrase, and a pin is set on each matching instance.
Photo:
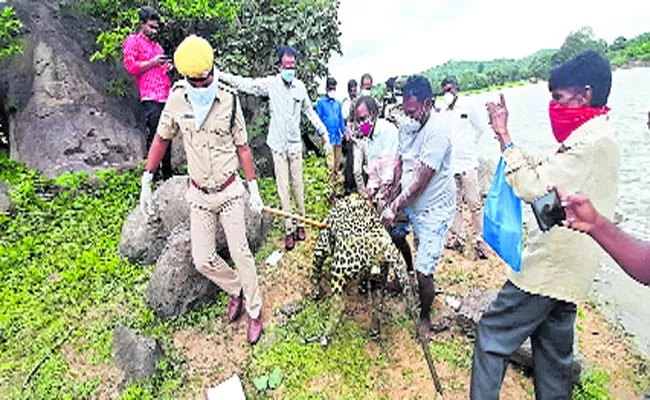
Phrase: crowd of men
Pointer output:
(418, 166)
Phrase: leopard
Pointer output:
(360, 249)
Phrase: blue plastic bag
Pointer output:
(502, 219)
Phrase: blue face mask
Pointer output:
(201, 100)
(288, 75)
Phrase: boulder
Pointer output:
(65, 119)
(170, 203)
(143, 238)
(134, 354)
(472, 308)
(176, 287)
(486, 170)
(523, 357)
(5, 198)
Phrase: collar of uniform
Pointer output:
(183, 83)
(291, 85)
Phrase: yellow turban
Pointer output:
(194, 57)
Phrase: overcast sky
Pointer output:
(390, 37)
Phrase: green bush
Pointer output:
(9, 33)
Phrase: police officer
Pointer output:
(211, 123)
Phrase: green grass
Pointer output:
(62, 276)
(593, 386)
(61, 273)
(296, 350)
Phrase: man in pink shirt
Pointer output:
(145, 60)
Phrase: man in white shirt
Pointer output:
(287, 99)
(466, 124)
(382, 160)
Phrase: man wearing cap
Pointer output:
(466, 124)
(287, 99)
(145, 60)
(330, 112)
(212, 126)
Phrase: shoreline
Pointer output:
(625, 66)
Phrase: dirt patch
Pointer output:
(213, 358)
(607, 349)
(82, 369)
(406, 374)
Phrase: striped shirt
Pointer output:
(285, 104)
(153, 84)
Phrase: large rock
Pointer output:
(472, 308)
(486, 170)
(143, 238)
(176, 287)
(5, 198)
(134, 354)
(65, 118)
(523, 357)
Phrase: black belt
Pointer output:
(221, 188)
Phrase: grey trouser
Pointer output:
(514, 316)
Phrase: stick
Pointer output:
(49, 353)
(411, 307)
(280, 213)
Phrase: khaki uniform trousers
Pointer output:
(467, 189)
(289, 166)
(226, 208)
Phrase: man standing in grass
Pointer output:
(288, 98)
(145, 60)
(212, 126)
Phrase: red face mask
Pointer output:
(565, 120)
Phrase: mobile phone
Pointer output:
(548, 211)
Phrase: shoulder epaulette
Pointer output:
(179, 84)
(227, 88)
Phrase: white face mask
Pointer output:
(331, 94)
(448, 98)
(201, 100)
(410, 125)
(366, 92)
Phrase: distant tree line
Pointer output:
(476, 75)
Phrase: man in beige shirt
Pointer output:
(212, 126)
(558, 266)
(288, 98)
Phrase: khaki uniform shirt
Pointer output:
(561, 263)
(212, 150)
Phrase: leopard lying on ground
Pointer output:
(360, 248)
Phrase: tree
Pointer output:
(577, 42)
(9, 33)
(245, 34)
(540, 66)
(619, 43)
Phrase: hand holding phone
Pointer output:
(548, 210)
